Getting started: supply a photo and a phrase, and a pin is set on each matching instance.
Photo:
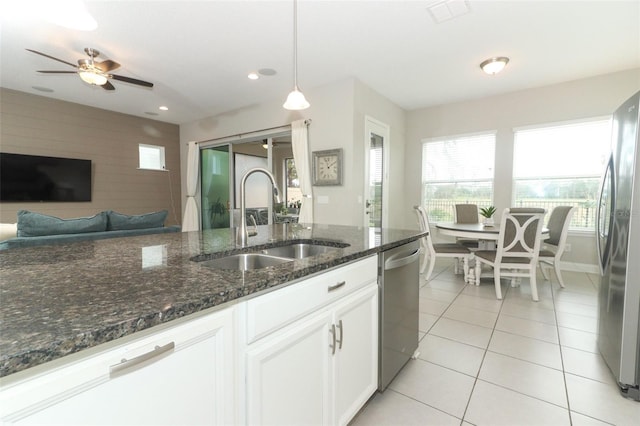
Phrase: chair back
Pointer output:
(559, 225)
(520, 232)
(467, 213)
(423, 222)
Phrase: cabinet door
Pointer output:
(288, 374)
(189, 383)
(356, 359)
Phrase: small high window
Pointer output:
(151, 157)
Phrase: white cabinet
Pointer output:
(288, 376)
(356, 360)
(323, 367)
(181, 375)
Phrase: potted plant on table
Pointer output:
(487, 213)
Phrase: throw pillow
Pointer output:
(121, 222)
(31, 224)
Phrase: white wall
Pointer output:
(337, 112)
(592, 97)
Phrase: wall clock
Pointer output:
(327, 167)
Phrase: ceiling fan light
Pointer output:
(493, 66)
(92, 78)
(296, 101)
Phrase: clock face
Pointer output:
(328, 167)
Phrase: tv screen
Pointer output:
(36, 178)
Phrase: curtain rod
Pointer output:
(239, 135)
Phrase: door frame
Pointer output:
(371, 125)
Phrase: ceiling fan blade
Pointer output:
(58, 72)
(131, 80)
(51, 57)
(108, 86)
(107, 65)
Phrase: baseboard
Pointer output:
(580, 267)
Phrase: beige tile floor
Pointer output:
(512, 362)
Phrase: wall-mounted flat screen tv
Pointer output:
(26, 178)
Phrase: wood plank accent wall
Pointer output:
(37, 125)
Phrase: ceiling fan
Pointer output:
(94, 72)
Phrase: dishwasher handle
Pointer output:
(401, 259)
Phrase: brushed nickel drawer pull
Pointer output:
(336, 286)
(126, 364)
(333, 335)
(341, 334)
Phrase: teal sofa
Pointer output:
(36, 229)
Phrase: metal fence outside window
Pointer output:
(442, 210)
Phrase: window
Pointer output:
(151, 157)
(457, 170)
(561, 165)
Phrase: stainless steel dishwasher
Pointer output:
(399, 282)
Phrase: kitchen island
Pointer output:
(65, 300)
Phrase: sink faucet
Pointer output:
(241, 233)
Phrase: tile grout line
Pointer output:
(564, 373)
(484, 355)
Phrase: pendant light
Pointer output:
(296, 100)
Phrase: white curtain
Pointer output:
(190, 220)
(300, 144)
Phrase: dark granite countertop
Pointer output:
(58, 300)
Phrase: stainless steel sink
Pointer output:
(245, 261)
(263, 258)
(298, 251)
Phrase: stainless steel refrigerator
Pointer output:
(618, 242)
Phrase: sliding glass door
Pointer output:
(221, 170)
(215, 187)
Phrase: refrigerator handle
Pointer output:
(600, 232)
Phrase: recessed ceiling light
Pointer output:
(267, 71)
(164, 108)
(253, 76)
(42, 89)
(493, 66)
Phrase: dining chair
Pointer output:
(554, 246)
(518, 247)
(467, 213)
(432, 251)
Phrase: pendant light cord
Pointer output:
(295, 44)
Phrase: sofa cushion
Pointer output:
(119, 222)
(31, 224)
(24, 242)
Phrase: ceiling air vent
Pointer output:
(444, 10)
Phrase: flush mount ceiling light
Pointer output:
(296, 100)
(493, 66)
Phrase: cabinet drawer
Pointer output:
(274, 310)
(104, 388)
